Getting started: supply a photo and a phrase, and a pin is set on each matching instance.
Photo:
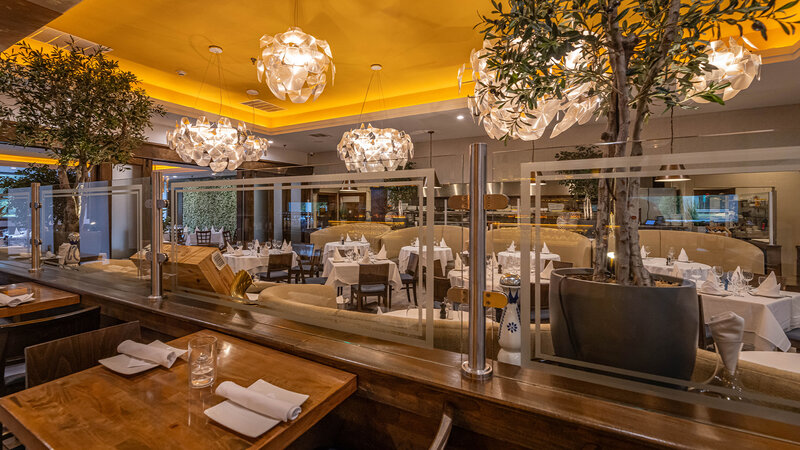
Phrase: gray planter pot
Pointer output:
(645, 329)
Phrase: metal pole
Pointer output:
(155, 255)
(36, 217)
(475, 366)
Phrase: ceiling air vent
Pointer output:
(61, 39)
(262, 105)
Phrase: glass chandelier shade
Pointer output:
(218, 146)
(295, 64)
(373, 149)
(733, 64)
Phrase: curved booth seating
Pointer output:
(317, 304)
(571, 247)
(371, 231)
(455, 237)
(706, 248)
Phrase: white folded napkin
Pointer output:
(63, 249)
(736, 276)
(363, 238)
(6, 300)
(229, 248)
(340, 300)
(712, 288)
(458, 265)
(443, 244)
(148, 353)
(256, 244)
(544, 248)
(512, 247)
(415, 243)
(196, 229)
(337, 257)
(347, 239)
(365, 259)
(284, 245)
(16, 231)
(770, 287)
(288, 248)
(213, 230)
(221, 229)
(264, 404)
(683, 257)
(548, 269)
(727, 329)
(643, 252)
(382, 253)
(238, 252)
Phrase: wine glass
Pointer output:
(717, 271)
(238, 245)
(268, 244)
(748, 277)
(250, 246)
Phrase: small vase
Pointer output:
(510, 335)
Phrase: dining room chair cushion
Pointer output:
(406, 278)
(373, 288)
(794, 337)
(316, 280)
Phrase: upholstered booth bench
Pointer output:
(371, 232)
(711, 249)
(455, 237)
(571, 247)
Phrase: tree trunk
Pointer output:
(71, 222)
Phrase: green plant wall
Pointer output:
(210, 209)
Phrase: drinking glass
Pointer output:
(238, 244)
(748, 277)
(268, 244)
(202, 361)
(250, 245)
(761, 280)
(717, 271)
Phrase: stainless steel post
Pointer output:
(36, 217)
(475, 366)
(155, 256)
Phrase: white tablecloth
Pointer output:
(765, 319)
(686, 270)
(251, 262)
(460, 278)
(789, 362)
(346, 273)
(509, 259)
(352, 245)
(441, 254)
(216, 238)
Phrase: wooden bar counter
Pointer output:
(403, 390)
(97, 408)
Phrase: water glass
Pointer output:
(202, 361)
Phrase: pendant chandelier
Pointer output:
(373, 149)
(218, 146)
(295, 64)
(733, 64)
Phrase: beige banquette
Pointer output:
(571, 247)
(706, 248)
(371, 232)
(317, 305)
(455, 237)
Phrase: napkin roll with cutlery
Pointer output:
(148, 353)
(264, 404)
(16, 300)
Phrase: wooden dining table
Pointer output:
(44, 298)
(98, 408)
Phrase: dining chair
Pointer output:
(465, 258)
(311, 268)
(180, 235)
(305, 252)
(203, 238)
(227, 238)
(61, 357)
(15, 336)
(440, 287)
(410, 278)
(545, 302)
(373, 281)
(705, 340)
(279, 268)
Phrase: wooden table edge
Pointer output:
(25, 436)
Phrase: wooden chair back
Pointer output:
(561, 265)
(15, 336)
(370, 274)
(279, 261)
(180, 235)
(440, 287)
(65, 356)
(413, 265)
(304, 251)
(227, 238)
(545, 289)
(465, 258)
(203, 237)
(437, 269)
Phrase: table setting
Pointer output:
(343, 270)
(768, 312)
(135, 357)
(345, 244)
(256, 257)
(459, 275)
(441, 253)
(680, 268)
(11, 296)
(511, 257)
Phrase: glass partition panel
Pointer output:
(98, 230)
(16, 226)
(340, 251)
(686, 289)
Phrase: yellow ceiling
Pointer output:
(420, 43)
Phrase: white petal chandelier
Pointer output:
(218, 146)
(373, 149)
(295, 64)
(501, 113)
(734, 64)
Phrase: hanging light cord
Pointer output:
(671, 129)
(365, 96)
(296, 11)
(202, 83)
